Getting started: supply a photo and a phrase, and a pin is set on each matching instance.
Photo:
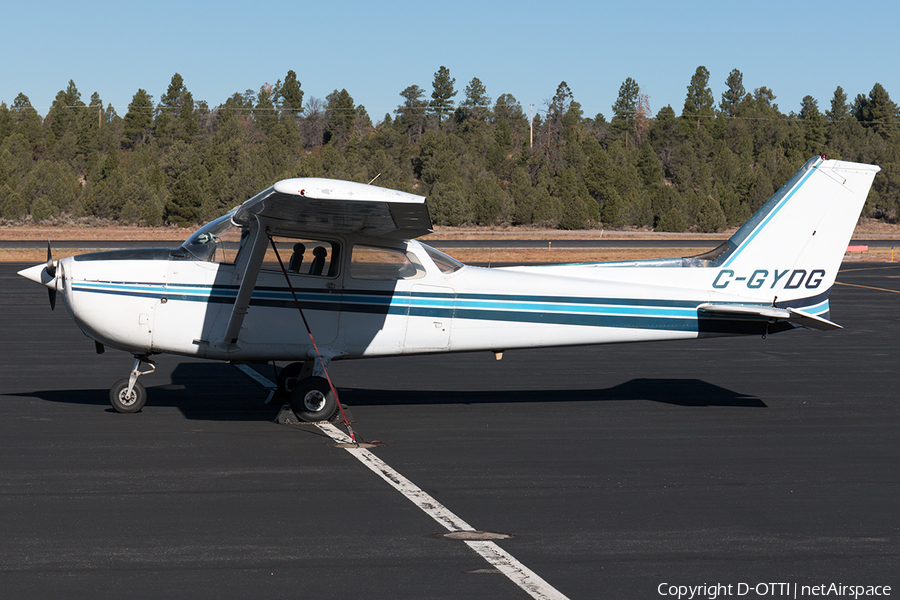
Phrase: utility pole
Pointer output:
(531, 126)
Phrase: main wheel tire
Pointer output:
(287, 378)
(122, 402)
(312, 400)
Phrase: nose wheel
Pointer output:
(128, 395)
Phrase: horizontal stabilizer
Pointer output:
(812, 321)
(792, 315)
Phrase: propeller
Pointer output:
(51, 271)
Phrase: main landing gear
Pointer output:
(129, 395)
(303, 386)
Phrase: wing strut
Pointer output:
(248, 282)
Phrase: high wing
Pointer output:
(314, 205)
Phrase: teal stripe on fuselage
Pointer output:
(633, 309)
(594, 312)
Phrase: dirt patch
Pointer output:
(151, 234)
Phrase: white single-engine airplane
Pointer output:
(315, 270)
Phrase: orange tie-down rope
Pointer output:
(315, 347)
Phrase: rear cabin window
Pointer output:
(447, 264)
(384, 264)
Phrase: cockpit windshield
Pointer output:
(217, 241)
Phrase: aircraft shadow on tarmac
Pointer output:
(216, 391)
(678, 392)
(208, 391)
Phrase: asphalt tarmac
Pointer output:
(615, 469)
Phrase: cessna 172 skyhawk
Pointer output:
(357, 284)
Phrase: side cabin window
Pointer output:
(447, 264)
(384, 264)
(304, 256)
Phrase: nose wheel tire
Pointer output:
(312, 400)
(124, 402)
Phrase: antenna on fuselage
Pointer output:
(374, 178)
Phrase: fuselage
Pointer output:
(168, 301)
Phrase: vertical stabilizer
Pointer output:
(793, 246)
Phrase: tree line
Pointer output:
(479, 161)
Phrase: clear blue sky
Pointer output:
(376, 49)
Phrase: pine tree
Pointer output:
(673, 221)
(840, 110)
(168, 126)
(813, 125)
(477, 101)
(698, 104)
(186, 126)
(6, 122)
(186, 201)
(734, 94)
(442, 94)
(710, 217)
(557, 109)
(626, 107)
(341, 114)
(264, 111)
(877, 111)
(627, 102)
(63, 116)
(411, 114)
(26, 119)
(508, 108)
(289, 96)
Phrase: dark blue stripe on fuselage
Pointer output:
(379, 303)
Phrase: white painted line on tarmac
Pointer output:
(504, 562)
(255, 376)
(496, 556)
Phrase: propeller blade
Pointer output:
(51, 266)
(51, 271)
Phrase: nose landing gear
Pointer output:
(129, 395)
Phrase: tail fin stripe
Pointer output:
(771, 215)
